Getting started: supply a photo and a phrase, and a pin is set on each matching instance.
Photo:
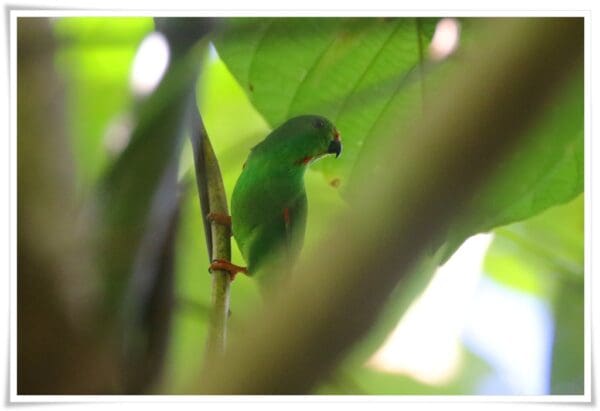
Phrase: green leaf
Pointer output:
(353, 71)
(537, 254)
(545, 171)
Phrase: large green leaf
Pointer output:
(354, 71)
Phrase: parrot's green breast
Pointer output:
(269, 203)
(258, 216)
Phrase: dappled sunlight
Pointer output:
(513, 331)
(445, 39)
(425, 343)
(118, 133)
(150, 64)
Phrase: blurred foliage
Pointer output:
(95, 54)
(362, 74)
(366, 380)
(544, 256)
(133, 181)
(568, 355)
(538, 255)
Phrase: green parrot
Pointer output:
(269, 204)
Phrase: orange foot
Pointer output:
(219, 218)
(232, 269)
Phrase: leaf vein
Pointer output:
(364, 73)
(308, 73)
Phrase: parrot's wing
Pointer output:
(294, 218)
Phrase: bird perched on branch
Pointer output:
(269, 205)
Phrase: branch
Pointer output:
(305, 331)
(182, 33)
(62, 345)
(213, 199)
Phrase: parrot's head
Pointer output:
(308, 138)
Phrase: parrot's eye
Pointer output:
(319, 123)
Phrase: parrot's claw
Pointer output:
(219, 218)
(224, 265)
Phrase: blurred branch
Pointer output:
(61, 345)
(303, 333)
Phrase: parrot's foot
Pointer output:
(227, 266)
(219, 218)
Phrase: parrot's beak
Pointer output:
(335, 147)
